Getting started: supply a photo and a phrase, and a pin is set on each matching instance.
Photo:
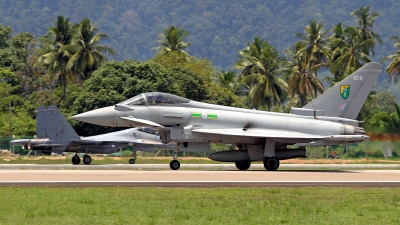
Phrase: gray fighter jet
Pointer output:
(330, 119)
(55, 134)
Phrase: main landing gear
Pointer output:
(86, 159)
(174, 164)
(75, 159)
(243, 165)
(271, 163)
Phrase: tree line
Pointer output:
(68, 67)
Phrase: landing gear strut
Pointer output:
(271, 163)
(87, 159)
(243, 165)
(133, 160)
(75, 159)
(174, 164)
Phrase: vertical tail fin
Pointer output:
(50, 123)
(346, 98)
(57, 126)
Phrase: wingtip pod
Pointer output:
(347, 97)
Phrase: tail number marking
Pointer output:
(355, 77)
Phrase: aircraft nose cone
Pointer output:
(103, 116)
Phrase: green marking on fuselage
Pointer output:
(212, 116)
(203, 115)
(196, 115)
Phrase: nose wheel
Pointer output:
(133, 160)
(174, 165)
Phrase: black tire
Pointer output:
(132, 161)
(174, 165)
(87, 159)
(271, 163)
(243, 165)
(76, 160)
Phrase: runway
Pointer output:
(79, 177)
(230, 166)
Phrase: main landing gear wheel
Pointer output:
(243, 165)
(76, 160)
(271, 163)
(132, 161)
(87, 159)
(174, 165)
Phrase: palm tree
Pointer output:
(52, 56)
(338, 34)
(173, 39)
(87, 53)
(301, 80)
(349, 53)
(226, 78)
(260, 66)
(366, 22)
(393, 68)
(314, 46)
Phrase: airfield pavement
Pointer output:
(199, 175)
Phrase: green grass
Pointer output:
(46, 205)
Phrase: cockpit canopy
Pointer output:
(155, 98)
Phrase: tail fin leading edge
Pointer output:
(346, 98)
(41, 114)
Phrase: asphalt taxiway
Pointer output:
(225, 176)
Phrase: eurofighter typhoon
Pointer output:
(330, 119)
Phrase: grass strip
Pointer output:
(94, 205)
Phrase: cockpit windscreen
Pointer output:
(155, 98)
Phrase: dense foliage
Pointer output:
(218, 29)
(66, 64)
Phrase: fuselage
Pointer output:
(178, 117)
(330, 119)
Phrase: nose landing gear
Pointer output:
(133, 160)
(174, 164)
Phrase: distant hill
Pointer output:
(218, 28)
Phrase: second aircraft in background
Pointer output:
(55, 134)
